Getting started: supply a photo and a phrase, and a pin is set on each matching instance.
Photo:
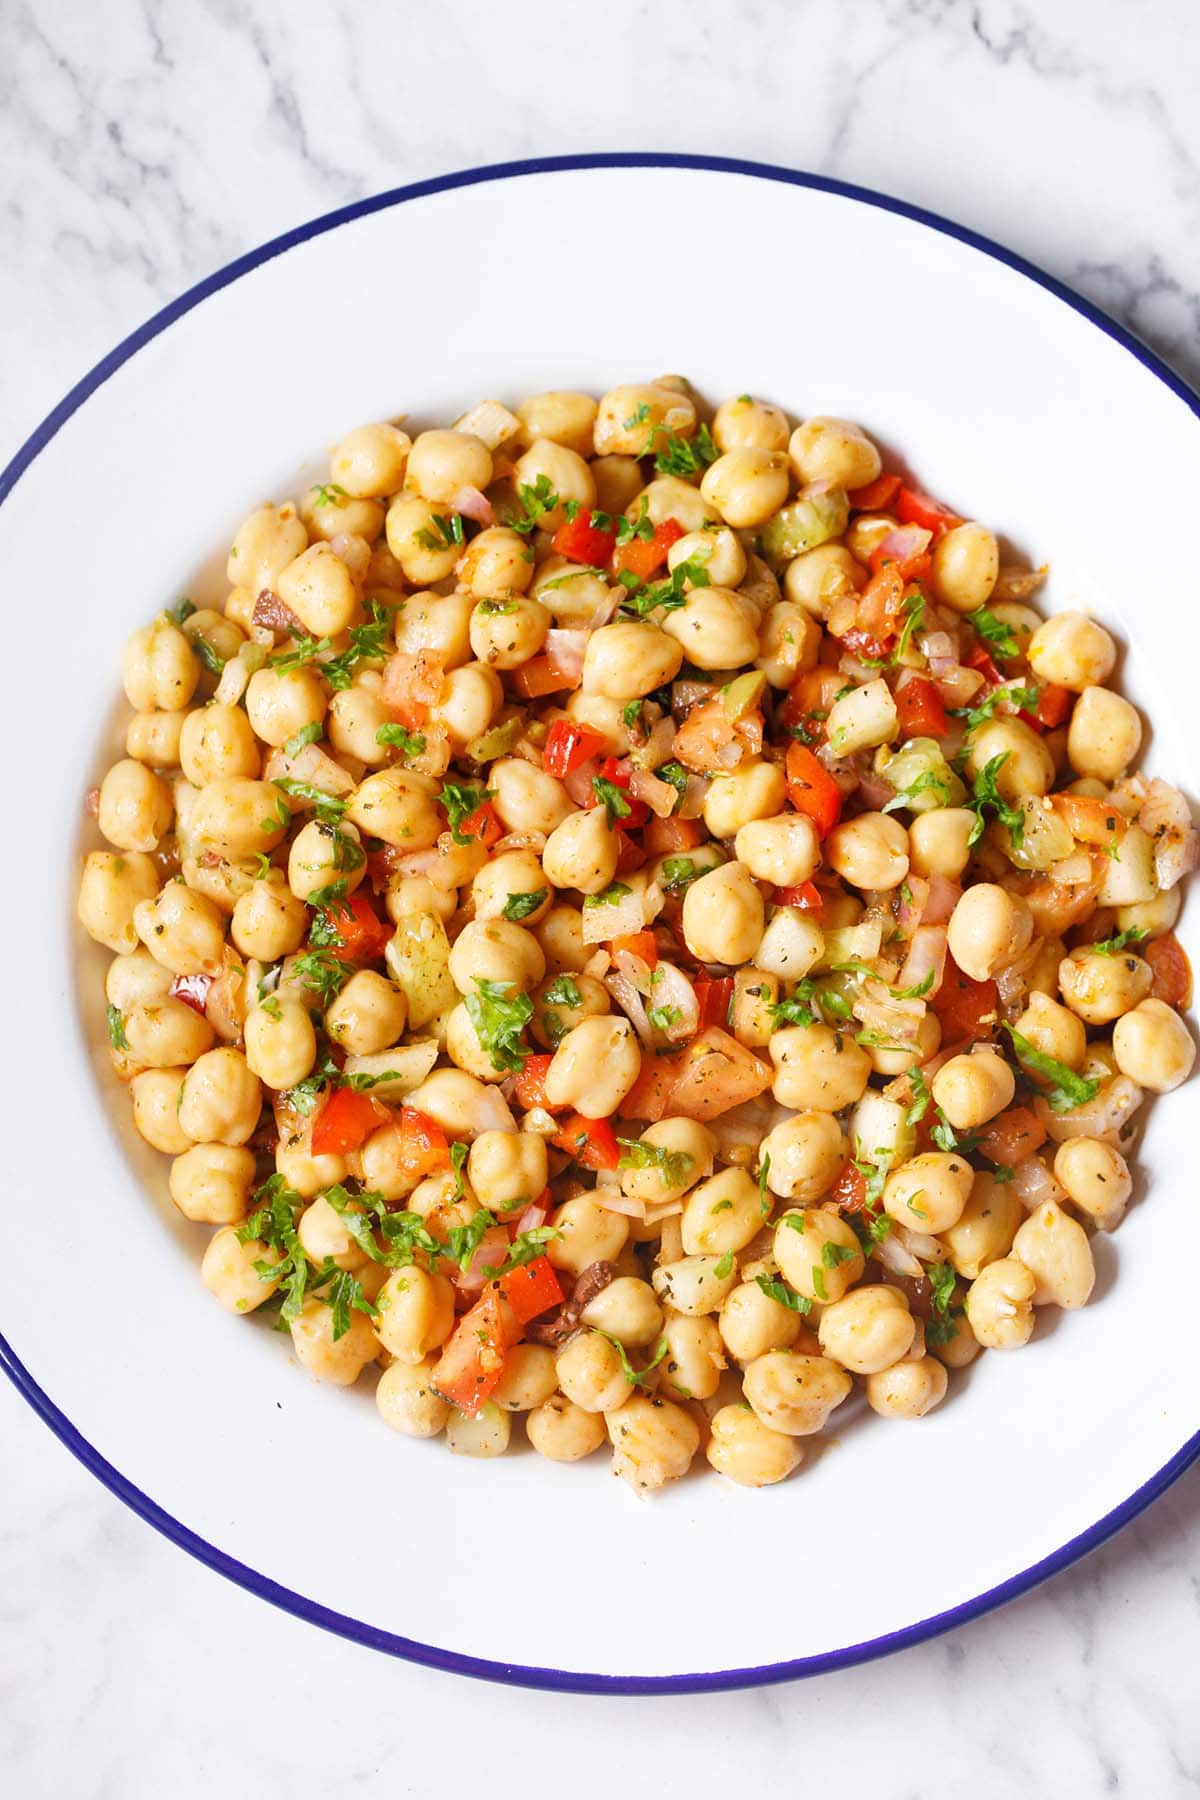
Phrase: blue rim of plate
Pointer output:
(454, 1662)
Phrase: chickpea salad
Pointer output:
(625, 915)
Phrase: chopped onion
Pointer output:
(903, 542)
(1107, 1116)
(1012, 984)
(622, 918)
(957, 685)
(353, 551)
(926, 956)
(578, 782)
(658, 795)
(939, 650)
(658, 746)
(597, 965)
(613, 1200)
(692, 804)
(624, 992)
(1034, 1184)
(604, 610)
(910, 912)
(311, 765)
(1072, 870)
(671, 988)
(944, 895)
(521, 840)
(566, 650)
(689, 693)
(490, 1253)
(1166, 817)
(477, 506)
(897, 1257)
(921, 1243)
(875, 791)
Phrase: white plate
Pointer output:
(1006, 395)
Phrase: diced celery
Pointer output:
(815, 516)
(920, 776)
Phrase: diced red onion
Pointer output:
(489, 1254)
(578, 782)
(658, 795)
(926, 956)
(623, 991)
(944, 895)
(1034, 1184)
(477, 506)
(565, 647)
(688, 693)
(912, 910)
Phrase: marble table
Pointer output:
(142, 144)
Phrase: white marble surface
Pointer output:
(143, 143)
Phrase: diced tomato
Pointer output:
(590, 1141)
(849, 1190)
(650, 1096)
(1054, 703)
(977, 657)
(880, 608)
(644, 557)
(532, 1289)
(473, 1360)
(708, 730)
(667, 837)
(582, 542)
(530, 1085)
(630, 856)
(1091, 820)
(482, 826)
(912, 507)
(346, 1121)
(1172, 970)
(715, 1074)
(809, 699)
(192, 990)
(966, 1009)
(713, 998)
(812, 789)
(807, 896)
(877, 494)
(921, 709)
(411, 684)
(569, 745)
(638, 943)
(423, 1146)
(1012, 1136)
(362, 935)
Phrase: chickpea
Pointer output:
(409, 1402)
(279, 702)
(527, 799)
(718, 548)
(562, 1431)
(751, 1323)
(817, 1068)
(269, 921)
(691, 1368)
(461, 1105)
(908, 1390)
(784, 850)
(497, 564)
(887, 1060)
(806, 1153)
(507, 1169)
(999, 1305)
(985, 1228)
(1053, 1029)
(135, 806)
(321, 854)
(745, 1450)
(972, 1089)
(319, 589)
(868, 1330)
(515, 876)
(442, 462)
(506, 633)
(745, 486)
(368, 1015)
(153, 738)
(590, 1374)
(155, 1096)
(789, 641)
(627, 660)
(495, 950)
(568, 474)
(1154, 1047)
(717, 628)
(618, 482)
(416, 1313)
(265, 543)
(721, 1214)
(756, 791)
(354, 719)
(470, 700)
(594, 1067)
(1028, 768)
(695, 1284)
(562, 417)
(870, 851)
(110, 891)
(749, 424)
(657, 1184)
(228, 1271)
(937, 841)
(653, 1441)
(160, 671)
(833, 451)
(1056, 1251)
(324, 1235)
(417, 542)
(582, 852)
(1072, 651)
(928, 1192)
(166, 1033)
(337, 1360)
(795, 1393)
(135, 977)
(817, 578)
(554, 1016)
(440, 623)
(216, 743)
(281, 1045)
(723, 915)
(1105, 734)
(307, 1174)
(528, 1380)
(485, 1434)
(238, 817)
(966, 562)
(1154, 917)
(818, 1253)
(369, 462)
(1100, 988)
(629, 419)
(588, 1234)
(397, 805)
(182, 930)
(1097, 1179)
(221, 1098)
(626, 1310)
(210, 1183)
(988, 930)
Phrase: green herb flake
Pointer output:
(784, 1295)
(674, 1166)
(116, 1028)
(609, 896)
(993, 631)
(519, 906)
(613, 799)
(563, 991)
(460, 802)
(1064, 1090)
(987, 795)
(499, 1011)
(1113, 946)
(396, 737)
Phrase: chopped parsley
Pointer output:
(637, 1377)
(1022, 699)
(673, 1165)
(408, 743)
(563, 991)
(724, 1268)
(949, 1139)
(929, 781)
(987, 795)
(1121, 941)
(329, 493)
(182, 609)
(942, 1327)
(1065, 1090)
(116, 1028)
(992, 629)
(524, 1248)
(208, 655)
(920, 1097)
(676, 776)
(323, 974)
(329, 809)
(443, 531)
(460, 803)
(499, 1011)
(462, 1241)
(678, 871)
(613, 799)
(537, 499)
(627, 529)
(609, 896)
(642, 598)
(307, 734)
(779, 1291)
(679, 455)
(519, 906)
(270, 1005)
(663, 1017)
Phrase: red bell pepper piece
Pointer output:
(630, 856)
(921, 709)
(569, 745)
(346, 1121)
(580, 541)
(1054, 703)
(532, 1289)
(639, 943)
(977, 658)
(362, 935)
(619, 774)
(530, 1085)
(876, 496)
(482, 825)
(713, 998)
(912, 507)
(411, 684)
(644, 557)
(590, 1141)
(812, 789)
(423, 1146)
(807, 896)
(192, 990)
(473, 1360)
(966, 1009)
